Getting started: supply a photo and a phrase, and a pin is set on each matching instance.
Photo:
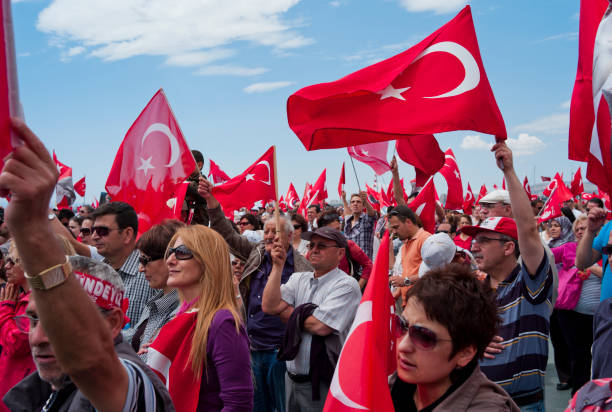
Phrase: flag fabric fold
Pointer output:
(577, 186)
(341, 182)
(450, 171)
(218, 175)
(422, 152)
(64, 189)
(424, 205)
(373, 155)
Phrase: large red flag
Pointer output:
(218, 175)
(341, 182)
(291, 198)
(589, 133)
(151, 163)
(424, 205)
(577, 186)
(482, 193)
(422, 152)
(562, 191)
(468, 202)
(372, 154)
(450, 171)
(64, 189)
(80, 187)
(368, 355)
(255, 184)
(438, 85)
(9, 92)
(552, 207)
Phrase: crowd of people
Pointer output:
(251, 314)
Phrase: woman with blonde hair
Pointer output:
(203, 353)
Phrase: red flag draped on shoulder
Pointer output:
(256, 184)
(589, 132)
(424, 205)
(80, 187)
(368, 355)
(373, 155)
(218, 175)
(468, 202)
(438, 85)
(291, 198)
(151, 163)
(577, 186)
(9, 93)
(341, 182)
(450, 171)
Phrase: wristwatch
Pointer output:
(408, 282)
(51, 277)
(51, 216)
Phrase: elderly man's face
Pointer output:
(498, 209)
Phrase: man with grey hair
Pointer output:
(265, 331)
(74, 331)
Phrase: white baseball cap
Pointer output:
(437, 251)
(496, 196)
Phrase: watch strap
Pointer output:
(51, 277)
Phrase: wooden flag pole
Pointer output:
(355, 171)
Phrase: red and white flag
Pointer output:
(218, 175)
(557, 183)
(577, 186)
(527, 188)
(9, 91)
(151, 163)
(424, 205)
(468, 202)
(450, 171)
(305, 197)
(552, 207)
(590, 123)
(605, 198)
(282, 204)
(374, 198)
(482, 193)
(291, 198)
(368, 355)
(422, 152)
(438, 85)
(80, 187)
(373, 155)
(546, 178)
(341, 182)
(255, 184)
(64, 189)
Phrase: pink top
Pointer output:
(570, 283)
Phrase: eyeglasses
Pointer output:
(180, 253)
(86, 231)
(245, 223)
(443, 231)
(238, 263)
(25, 323)
(607, 250)
(297, 227)
(144, 260)
(102, 230)
(10, 261)
(420, 336)
(484, 240)
(320, 246)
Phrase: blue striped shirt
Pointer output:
(524, 304)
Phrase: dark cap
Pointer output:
(327, 232)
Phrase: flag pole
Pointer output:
(355, 170)
(279, 230)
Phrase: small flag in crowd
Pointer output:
(482, 193)
(291, 198)
(80, 187)
(450, 171)
(468, 202)
(341, 182)
(577, 186)
(424, 205)
(64, 190)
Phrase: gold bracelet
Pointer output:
(50, 277)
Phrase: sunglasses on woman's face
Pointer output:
(180, 253)
(144, 260)
(607, 250)
(85, 231)
(420, 336)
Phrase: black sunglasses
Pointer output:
(85, 231)
(144, 260)
(607, 250)
(180, 253)
(422, 337)
(102, 230)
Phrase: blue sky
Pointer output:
(87, 68)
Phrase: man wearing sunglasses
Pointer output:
(524, 292)
(265, 331)
(322, 302)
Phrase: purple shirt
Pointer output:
(226, 382)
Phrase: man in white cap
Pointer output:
(437, 250)
(496, 203)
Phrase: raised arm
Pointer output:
(369, 209)
(272, 302)
(345, 205)
(585, 254)
(530, 243)
(398, 191)
(81, 339)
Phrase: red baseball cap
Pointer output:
(503, 225)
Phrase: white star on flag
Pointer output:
(457, 174)
(390, 91)
(249, 176)
(145, 165)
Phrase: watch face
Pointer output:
(51, 216)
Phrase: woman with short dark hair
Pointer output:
(449, 319)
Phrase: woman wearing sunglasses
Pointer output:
(163, 304)
(449, 319)
(203, 353)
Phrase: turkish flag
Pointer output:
(291, 198)
(368, 355)
(450, 171)
(482, 193)
(64, 189)
(528, 189)
(218, 175)
(282, 205)
(589, 132)
(341, 182)
(374, 198)
(389, 195)
(372, 154)
(552, 207)
(557, 183)
(151, 163)
(577, 186)
(424, 205)
(422, 152)
(438, 85)
(420, 178)
(606, 199)
(305, 198)
(80, 187)
(255, 184)
(9, 91)
(468, 202)
(545, 178)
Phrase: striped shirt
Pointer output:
(524, 305)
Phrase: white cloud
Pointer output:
(335, 3)
(475, 142)
(181, 31)
(566, 104)
(525, 144)
(266, 86)
(199, 58)
(228, 70)
(73, 51)
(437, 6)
(552, 124)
